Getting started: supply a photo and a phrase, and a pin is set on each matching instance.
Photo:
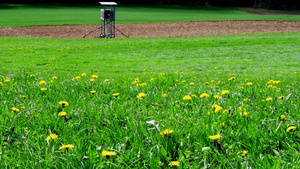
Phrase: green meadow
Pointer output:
(194, 102)
(32, 15)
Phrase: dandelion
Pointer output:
(174, 163)
(270, 86)
(187, 97)
(116, 94)
(245, 152)
(247, 99)
(288, 85)
(249, 84)
(224, 92)
(23, 107)
(67, 146)
(170, 88)
(95, 76)
(76, 78)
(245, 114)
(52, 136)
(15, 109)
(214, 137)
(231, 79)
(83, 74)
(107, 154)
(282, 117)
(166, 132)
(24, 97)
(1, 83)
(164, 95)
(193, 95)
(281, 97)
(43, 89)
(192, 83)
(62, 114)
(292, 128)
(141, 96)
(106, 80)
(204, 95)
(42, 82)
(246, 80)
(54, 77)
(92, 80)
(63, 103)
(183, 81)
(222, 124)
(241, 87)
(216, 96)
(93, 92)
(269, 99)
(270, 81)
(6, 80)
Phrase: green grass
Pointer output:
(100, 121)
(32, 15)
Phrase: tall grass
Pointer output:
(122, 95)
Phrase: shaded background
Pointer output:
(266, 4)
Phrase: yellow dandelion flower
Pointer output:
(269, 99)
(245, 152)
(108, 153)
(6, 80)
(208, 113)
(42, 82)
(67, 146)
(241, 87)
(288, 85)
(183, 81)
(231, 79)
(281, 97)
(141, 96)
(15, 109)
(92, 80)
(249, 84)
(216, 96)
(204, 95)
(247, 99)
(93, 92)
(95, 76)
(83, 74)
(54, 77)
(164, 95)
(192, 83)
(187, 97)
(62, 113)
(222, 124)
(270, 86)
(52, 136)
(76, 78)
(106, 80)
(245, 114)
(43, 89)
(1, 83)
(116, 94)
(174, 163)
(193, 95)
(270, 81)
(170, 88)
(24, 97)
(246, 80)
(63, 103)
(292, 128)
(224, 92)
(214, 137)
(166, 132)
(282, 117)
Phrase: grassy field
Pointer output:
(150, 102)
(31, 15)
(197, 102)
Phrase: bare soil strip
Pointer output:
(146, 30)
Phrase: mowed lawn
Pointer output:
(194, 102)
(31, 15)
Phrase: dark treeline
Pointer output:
(269, 4)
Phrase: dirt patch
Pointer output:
(173, 29)
(272, 12)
